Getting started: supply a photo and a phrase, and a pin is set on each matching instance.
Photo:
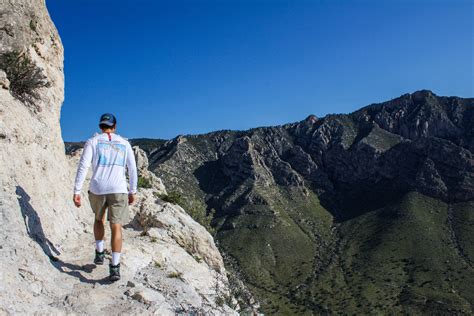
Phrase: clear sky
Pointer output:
(185, 67)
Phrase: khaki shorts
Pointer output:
(117, 203)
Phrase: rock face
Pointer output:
(291, 196)
(142, 167)
(173, 221)
(47, 245)
(417, 142)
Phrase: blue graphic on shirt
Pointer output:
(111, 153)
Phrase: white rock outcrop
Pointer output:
(47, 245)
(142, 167)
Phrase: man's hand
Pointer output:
(77, 200)
(131, 198)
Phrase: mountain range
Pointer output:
(370, 211)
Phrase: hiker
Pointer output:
(109, 154)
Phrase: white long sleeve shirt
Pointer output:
(109, 154)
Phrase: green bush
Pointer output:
(33, 25)
(196, 209)
(172, 197)
(144, 183)
(220, 301)
(199, 214)
(24, 76)
(173, 274)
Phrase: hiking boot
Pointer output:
(99, 257)
(114, 272)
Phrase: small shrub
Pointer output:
(24, 76)
(220, 301)
(143, 182)
(33, 25)
(157, 264)
(198, 213)
(172, 197)
(154, 239)
(175, 274)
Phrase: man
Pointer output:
(109, 154)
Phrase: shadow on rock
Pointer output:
(36, 233)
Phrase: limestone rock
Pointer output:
(174, 223)
(148, 296)
(142, 166)
(4, 82)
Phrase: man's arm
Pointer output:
(132, 173)
(84, 163)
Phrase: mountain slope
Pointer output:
(285, 201)
(402, 257)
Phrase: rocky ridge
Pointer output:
(416, 142)
(306, 183)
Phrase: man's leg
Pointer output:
(118, 214)
(116, 242)
(99, 230)
(114, 266)
(99, 207)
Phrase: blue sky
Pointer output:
(185, 67)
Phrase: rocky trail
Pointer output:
(89, 291)
(171, 267)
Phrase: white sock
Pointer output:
(115, 258)
(99, 245)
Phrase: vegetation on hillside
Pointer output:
(144, 183)
(196, 209)
(24, 76)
